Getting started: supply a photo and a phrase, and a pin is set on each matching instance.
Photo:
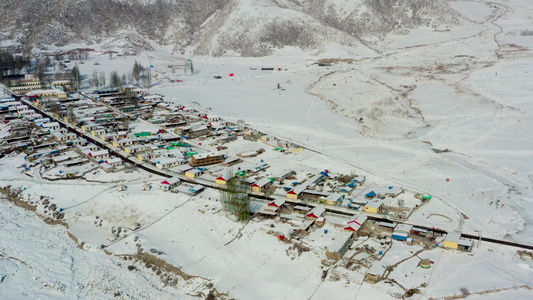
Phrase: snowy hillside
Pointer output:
(39, 261)
(221, 27)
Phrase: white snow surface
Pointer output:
(39, 261)
(435, 105)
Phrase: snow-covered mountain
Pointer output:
(218, 27)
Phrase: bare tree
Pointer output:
(40, 69)
(95, 80)
(102, 78)
(235, 197)
(72, 116)
(147, 78)
(54, 107)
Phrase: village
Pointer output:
(356, 223)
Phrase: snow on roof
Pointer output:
(198, 128)
(403, 234)
(418, 229)
(286, 173)
(60, 81)
(352, 226)
(299, 207)
(376, 269)
(262, 182)
(359, 219)
(403, 228)
(99, 153)
(387, 224)
(86, 119)
(170, 181)
(197, 188)
(277, 203)
(38, 92)
(375, 203)
(114, 160)
(66, 156)
(334, 197)
(463, 242)
(311, 192)
(139, 147)
(51, 124)
(168, 160)
(185, 169)
(206, 155)
(453, 237)
(317, 211)
(315, 179)
(151, 97)
(57, 134)
(340, 240)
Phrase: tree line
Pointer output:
(139, 75)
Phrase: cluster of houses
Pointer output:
(172, 150)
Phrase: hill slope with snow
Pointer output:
(219, 27)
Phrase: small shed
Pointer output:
(134, 226)
(339, 247)
(115, 161)
(333, 199)
(262, 185)
(419, 231)
(196, 189)
(193, 173)
(316, 212)
(454, 241)
(169, 184)
(374, 206)
(401, 236)
(425, 263)
(220, 180)
(356, 223)
(277, 203)
(370, 194)
(404, 228)
(375, 273)
(112, 237)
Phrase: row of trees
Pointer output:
(139, 75)
(13, 64)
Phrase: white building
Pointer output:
(169, 183)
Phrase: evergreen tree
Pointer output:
(114, 80)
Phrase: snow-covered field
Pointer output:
(434, 105)
(39, 261)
